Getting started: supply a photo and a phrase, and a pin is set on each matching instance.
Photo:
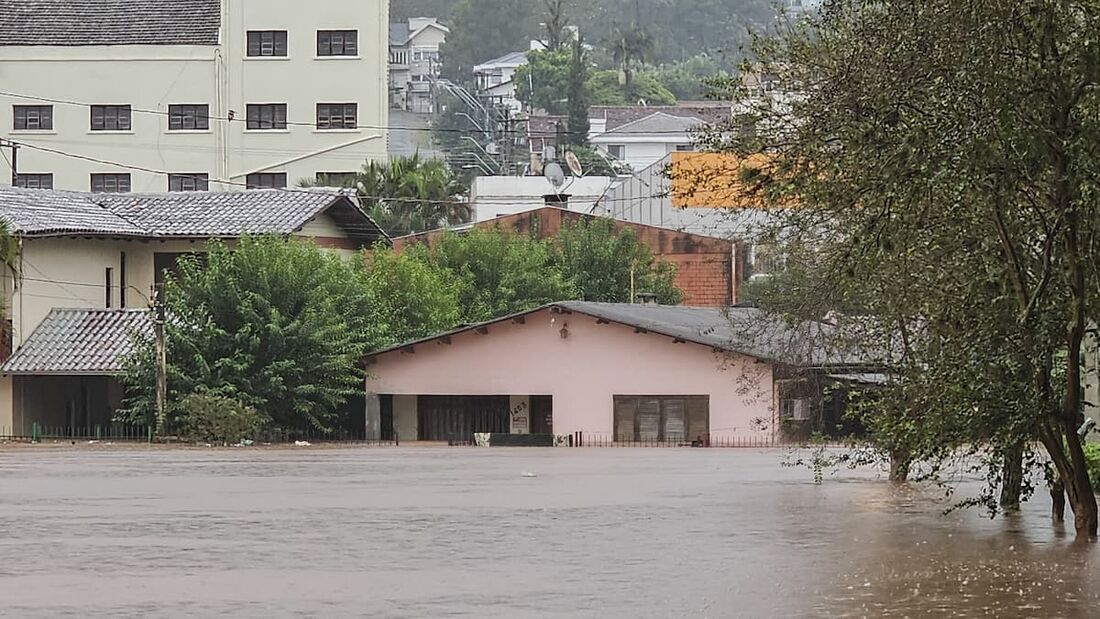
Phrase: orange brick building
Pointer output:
(709, 270)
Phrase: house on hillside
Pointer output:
(262, 93)
(415, 63)
(88, 264)
(494, 79)
(607, 373)
(643, 142)
(709, 270)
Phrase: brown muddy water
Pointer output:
(419, 532)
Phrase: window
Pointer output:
(685, 148)
(796, 409)
(188, 117)
(109, 285)
(337, 43)
(266, 180)
(662, 418)
(418, 55)
(266, 116)
(34, 181)
(616, 151)
(196, 181)
(399, 57)
(337, 115)
(336, 179)
(33, 117)
(266, 43)
(111, 118)
(111, 183)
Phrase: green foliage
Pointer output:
(577, 92)
(410, 297)
(599, 261)
(279, 326)
(485, 29)
(688, 79)
(497, 273)
(544, 82)
(411, 194)
(937, 215)
(219, 420)
(1092, 456)
(604, 89)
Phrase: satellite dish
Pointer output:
(554, 174)
(574, 164)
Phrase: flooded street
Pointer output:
(395, 532)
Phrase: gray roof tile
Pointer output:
(80, 341)
(39, 212)
(109, 22)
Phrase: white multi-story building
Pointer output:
(151, 96)
(415, 62)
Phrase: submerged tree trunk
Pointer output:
(900, 460)
(1012, 477)
(1057, 501)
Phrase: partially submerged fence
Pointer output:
(127, 433)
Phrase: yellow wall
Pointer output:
(713, 180)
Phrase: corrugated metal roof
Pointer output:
(109, 22)
(40, 212)
(80, 342)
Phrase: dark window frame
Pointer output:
(336, 43)
(266, 180)
(189, 117)
(25, 180)
(43, 115)
(335, 117)
(191, 181)
(266, 117)
(112, 118)
(267, 44)
(113, 178)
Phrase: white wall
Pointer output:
(153, 77)
(494, 196)
(640, 152)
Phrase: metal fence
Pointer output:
(127, 433)
(609, 440)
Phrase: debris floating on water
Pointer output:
(302, 444)
(529, 475)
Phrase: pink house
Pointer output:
(592, 371)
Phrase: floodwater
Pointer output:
(413, 532)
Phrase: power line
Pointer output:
(546, 134)
(311, 191)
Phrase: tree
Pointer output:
(278, 326)
(629, 47)
(556, 25)
(606, 265)
(578, 122)
(687, 79)
(485, 29)
(411, 194)
(545, 81)
(411, 297)
(498, 273)
(9, 256)
(945, 187)
(604, 89)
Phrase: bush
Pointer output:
(215, 419)
(1092, 458)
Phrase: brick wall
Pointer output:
(706, 270)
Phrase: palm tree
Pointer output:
(628, 47)
(411, 194)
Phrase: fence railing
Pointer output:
(37, 432)
(745, 441)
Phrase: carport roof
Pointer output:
(746, 331)
(80, 342)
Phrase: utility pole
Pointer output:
(161, 357)
(14, 159)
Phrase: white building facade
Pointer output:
(415, 63)
(191, 94)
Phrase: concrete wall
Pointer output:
(406, 423)
(494, 196)
(153, 77)
(583, 372)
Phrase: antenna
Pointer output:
(555, 174)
